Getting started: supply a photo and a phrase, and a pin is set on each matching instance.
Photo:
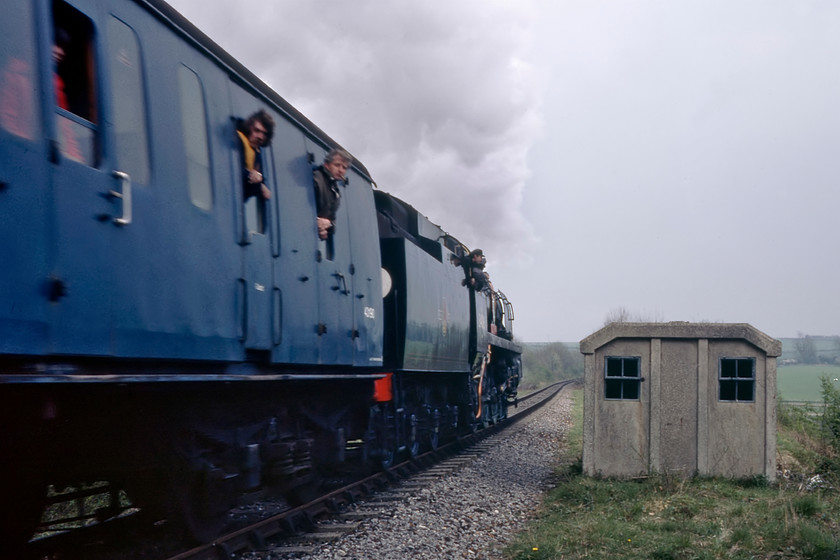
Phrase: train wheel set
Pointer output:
(202, 451)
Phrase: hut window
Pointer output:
(736, 380)
(622, 377)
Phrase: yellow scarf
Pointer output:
(250, 155)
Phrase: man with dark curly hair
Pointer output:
(255, 133)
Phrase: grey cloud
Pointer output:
(676, 158)
(439, 103)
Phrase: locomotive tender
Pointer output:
(162, 333)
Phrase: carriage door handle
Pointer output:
(125, 194)
(343, 288)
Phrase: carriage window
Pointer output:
(736, 379)
(18, 81)
(132, 146)
(74, 80)
(194, 127)
(622, 377)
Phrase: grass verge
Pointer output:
(668, 517)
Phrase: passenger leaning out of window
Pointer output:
(255, 133)
(327, 179)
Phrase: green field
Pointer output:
(802, 383)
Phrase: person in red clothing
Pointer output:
(62, 39)
(67, 138)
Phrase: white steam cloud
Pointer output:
(438, 100)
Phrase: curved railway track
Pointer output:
(291, 530)
(302, 523)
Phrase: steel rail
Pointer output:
(304, 518)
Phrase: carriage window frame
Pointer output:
(78, 130)
(256, 208)
(736, 379)
(196, 138)
(622, 378)
(127, 84)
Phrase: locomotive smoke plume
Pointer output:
(440, 104)
(658, 141)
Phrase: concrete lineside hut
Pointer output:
(688, 398)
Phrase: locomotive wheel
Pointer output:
(413, 436)
(382, 436)
(434, 430)
(203, 496)
(387, 459)
(492, 415)
(477, 412)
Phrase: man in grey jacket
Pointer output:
(327, 179)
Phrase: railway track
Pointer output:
(301, 530)
(291, 530)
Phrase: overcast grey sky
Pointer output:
(678, 159)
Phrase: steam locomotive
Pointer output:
(188, 345)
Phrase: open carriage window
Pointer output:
(74, 81)
(254, 135)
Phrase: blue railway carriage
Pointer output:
(187, 344)
(133, 239)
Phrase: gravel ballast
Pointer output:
(472, 513)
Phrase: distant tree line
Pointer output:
(816, 349)
(806, 350)
(546, 363)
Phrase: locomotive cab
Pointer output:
(438, 328)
